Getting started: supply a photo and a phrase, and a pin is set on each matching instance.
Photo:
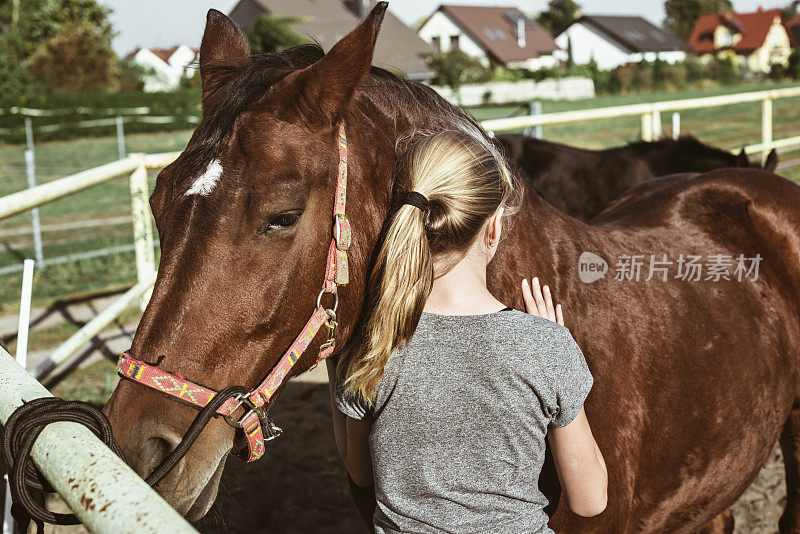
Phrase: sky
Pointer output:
(163, 23)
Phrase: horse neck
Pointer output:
(673, 157)
(540, 240)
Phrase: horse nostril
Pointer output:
(153, 453)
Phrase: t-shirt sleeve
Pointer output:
(351, 407)
(574, 381)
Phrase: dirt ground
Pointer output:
(300, 487)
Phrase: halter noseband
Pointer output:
(254, 420)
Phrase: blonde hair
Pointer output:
(465, 181)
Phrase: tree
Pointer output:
(16, 82)
(791, 10)
(272, 33)
(40, 20)
(454, 68)
(777, 71)
(558, 16)
(793, 65)
(680, 15)
(38, 24)
(76, 60)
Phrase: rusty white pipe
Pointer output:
(107, 496)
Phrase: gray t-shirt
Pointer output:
(460, 418)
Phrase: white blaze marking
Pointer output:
(207, 181)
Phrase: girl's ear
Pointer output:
(495, 228)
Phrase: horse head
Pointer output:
(245, 217)
(771, 163)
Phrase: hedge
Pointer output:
(184, 104)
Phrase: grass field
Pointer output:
(110, 200)
(728, 127)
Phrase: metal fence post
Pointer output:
(656, 126)
(22, 359)
(766, 128)
(104, 492)
(30, 167)
(8, 522)
(534, 108)
(647, 126)
(120, 138)
(676, 125)
(142, 226)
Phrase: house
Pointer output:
(327, 21)
(164, 67)
(612, 41)
(755, 40)
(494, 35)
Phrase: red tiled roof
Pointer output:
(164, 53)
(753, 27)
(492, 28)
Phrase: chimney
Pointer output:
(521, 32)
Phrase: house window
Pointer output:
(725, 40)
(454, 42)
(437, 42)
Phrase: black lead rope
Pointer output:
(28, 486)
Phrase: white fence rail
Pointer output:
(136, 166)
(103, 492)
(647, 111)
(81, 110)
(107, 496)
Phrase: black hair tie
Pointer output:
(416, 199)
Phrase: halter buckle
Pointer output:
(342, 233)
(242, 399)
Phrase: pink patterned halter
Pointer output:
(186, 391)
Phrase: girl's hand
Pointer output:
(538, 302)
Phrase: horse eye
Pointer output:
(282, 221)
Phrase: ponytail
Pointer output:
(464, 185)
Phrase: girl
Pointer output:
(446, 396)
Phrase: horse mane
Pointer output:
(238, 84)
(685, 143)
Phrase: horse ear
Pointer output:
(772, 161)
(742, 160)
(327, 86)
(223, 45)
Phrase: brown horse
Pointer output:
(583, 182)
(694, 381)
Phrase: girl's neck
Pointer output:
(462, 290)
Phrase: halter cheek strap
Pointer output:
(253, 421)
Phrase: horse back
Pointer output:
(697, 352)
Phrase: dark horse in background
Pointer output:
(694, 381)
(583, 182)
